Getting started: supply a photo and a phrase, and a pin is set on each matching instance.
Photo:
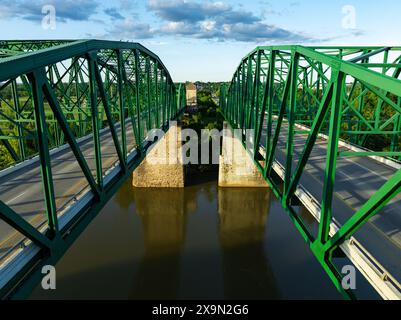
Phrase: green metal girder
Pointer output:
(37, 80)
(54, 93)
(326, 89)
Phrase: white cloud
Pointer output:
(208, 25)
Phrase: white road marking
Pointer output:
(15, 198)
(367, 169)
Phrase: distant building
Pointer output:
(191, 95)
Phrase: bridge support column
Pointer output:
(163, 166)
(237, 169)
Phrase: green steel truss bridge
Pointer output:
(74, 117)
(327, 128)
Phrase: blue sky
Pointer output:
(205, 40)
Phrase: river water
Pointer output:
(202, 242)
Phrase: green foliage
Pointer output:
(208, 117)
(5, 158)
(372, 112)
(205, 100)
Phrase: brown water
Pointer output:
(202, 242)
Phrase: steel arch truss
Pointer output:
(348, 94)
(54, 93)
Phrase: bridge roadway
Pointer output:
(357, 178)
(21, 187)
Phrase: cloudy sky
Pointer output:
(205, 40)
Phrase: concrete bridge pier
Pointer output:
(237, 169)
(163, 166)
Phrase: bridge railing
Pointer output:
(56, 95)
(350, 95)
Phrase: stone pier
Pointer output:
(163, 165)
(237, 169)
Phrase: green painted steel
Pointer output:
(54, 92)
(349, 93)
(17, 47)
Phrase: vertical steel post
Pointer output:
(120, 84)
(156, 71)
(270, 99)
(95, 119)
(149, 106)
(291, 120)
(17, 107)
(331, 159)
(138, 97)
(37, 79)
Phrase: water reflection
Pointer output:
(164, 213)
(243, 214)
(163, 216)
(198, 242)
